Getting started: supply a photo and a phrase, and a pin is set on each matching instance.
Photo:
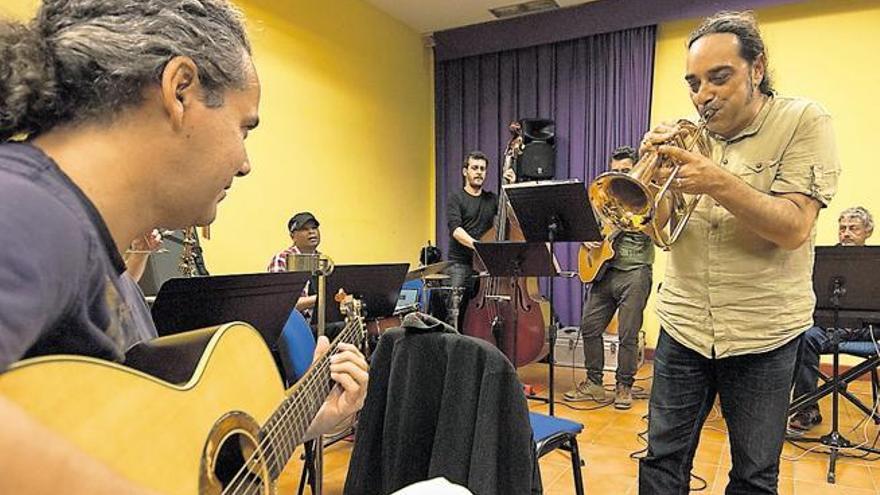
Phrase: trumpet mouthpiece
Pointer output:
(708, 112)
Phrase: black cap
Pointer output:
(300, 220)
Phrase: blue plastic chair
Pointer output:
(296, 347)
(553, 433)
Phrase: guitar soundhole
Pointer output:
(230, 464)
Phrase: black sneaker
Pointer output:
(805, 420)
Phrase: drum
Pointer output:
(378, 326)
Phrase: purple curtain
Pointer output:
(597, 89)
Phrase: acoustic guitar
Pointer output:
(198, 412)
(592, 262)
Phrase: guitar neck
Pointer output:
(287, 427)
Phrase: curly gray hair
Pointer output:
(80, 60)
(858, 213)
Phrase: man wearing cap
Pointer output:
(306, 237)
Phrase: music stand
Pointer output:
(264, 300)
(517, 259)
(553, 211)
(376, 286)
(842, 284)
(512, 259)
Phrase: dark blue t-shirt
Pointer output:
(62, 286)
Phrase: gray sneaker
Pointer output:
(586, 390)
(623, 397)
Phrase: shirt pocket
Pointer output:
(759, 174)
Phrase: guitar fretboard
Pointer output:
(286, 428)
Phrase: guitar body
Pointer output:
(162, 435)
(591, 262)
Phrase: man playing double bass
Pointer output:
(470, 213)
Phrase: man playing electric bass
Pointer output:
(622, 283)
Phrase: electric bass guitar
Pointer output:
(592, 262)
(198, 412)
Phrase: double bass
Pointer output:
(509, 312)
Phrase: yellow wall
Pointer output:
(19, 9)
(347, 122)
(346, 132)
(822, 50)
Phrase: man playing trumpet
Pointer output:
(738, 292)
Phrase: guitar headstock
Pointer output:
(352, 309)
(349, 306)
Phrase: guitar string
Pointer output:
(495, 282)
(284, 411)
(348, 334)
(287, 407)
(299, 410)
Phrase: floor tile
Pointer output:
(610, 436)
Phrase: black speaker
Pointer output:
(538, 158)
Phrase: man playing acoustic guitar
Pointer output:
(623, 285)
(130, 114)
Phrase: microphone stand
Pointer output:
(834, 440)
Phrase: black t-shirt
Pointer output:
(474, 214)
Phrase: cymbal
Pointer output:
(436, 276)
(424, 271)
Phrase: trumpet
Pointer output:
(641, 200)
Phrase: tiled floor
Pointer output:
(611, 436)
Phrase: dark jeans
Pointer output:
(460, 275)
(628, 291)
(754, 391)
(817, 341)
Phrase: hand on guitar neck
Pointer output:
(349, 369)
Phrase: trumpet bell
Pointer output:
(621, 201)
(641, 201)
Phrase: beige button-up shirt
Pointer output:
(728, 291)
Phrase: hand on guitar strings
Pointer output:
(349, 369)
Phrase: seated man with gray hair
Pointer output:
(855, 226)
